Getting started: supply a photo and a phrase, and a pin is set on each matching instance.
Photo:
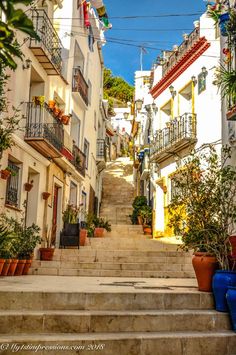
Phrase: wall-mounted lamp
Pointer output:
(154, 107)
(204, 71)
(139, 104)
(148, 107)
(172, 91)
(194, 80)
(27, 64)
(126, 115)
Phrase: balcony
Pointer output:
(43, 131)
(48, 50)
(79, 160)
(179, 134)
(79, 85)
(145, 169)
(182, 50)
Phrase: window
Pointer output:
(95, 120)
(201, 83)
(12, 191)
(86, 152)
(90, 39)
(89, 92)
(73, 194)
(75, 129)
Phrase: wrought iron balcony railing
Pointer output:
(193, 37)
(43, 131)
(179, 133)
(79, 160)
(48, 49)
(79, 84)
(101, 149)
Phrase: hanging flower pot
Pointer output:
(20, 267)
(5, 174)
(56, 111)
(51, 104)
(46, 195)
(231, 114)
(65, 119)
(38, 100)
(223, 22)
(28, 186)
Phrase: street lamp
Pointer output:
(154, 107)
(172, 91)
(139, 104)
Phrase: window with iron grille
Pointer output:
(12, 191)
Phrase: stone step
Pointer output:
(114, 266)
(52, 271)
(141, 343)
(160, 298)
(75, 321)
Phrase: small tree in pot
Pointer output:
(203, 210)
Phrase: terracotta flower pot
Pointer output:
(204, 266)
(12, 268)
(65, 119)
(6, 267)
(20, 267)
(2, 261)
(5, 174)
(98, 232)
(46, 195)
(51, 104)
(82, 236)
(28, 186)
(56, 111)
(27, 267)
(147, 230)
(46, 254)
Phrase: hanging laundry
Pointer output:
(86, 14)
(102, 13)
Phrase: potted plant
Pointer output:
(203, 211)
(138, 203)
(226, 81)
(8, 126)
(7, 172)
(45, 195)
(51, 104)
(47, 251)
(146, 215)
(65, 119)
(23, 241)
(70, 233)
(29, 185)
(100, 225)
(38, 100)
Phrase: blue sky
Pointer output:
(124, 60)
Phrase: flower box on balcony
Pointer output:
(231, 114)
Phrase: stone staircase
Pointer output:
(123, 252)
(111, 318)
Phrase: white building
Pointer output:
(189, 111)
(57, 158)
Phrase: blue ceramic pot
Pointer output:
(222, 280)
(224, 19)
(231, 300)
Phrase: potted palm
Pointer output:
(138, 203)
(203, 211)
(100, 225)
